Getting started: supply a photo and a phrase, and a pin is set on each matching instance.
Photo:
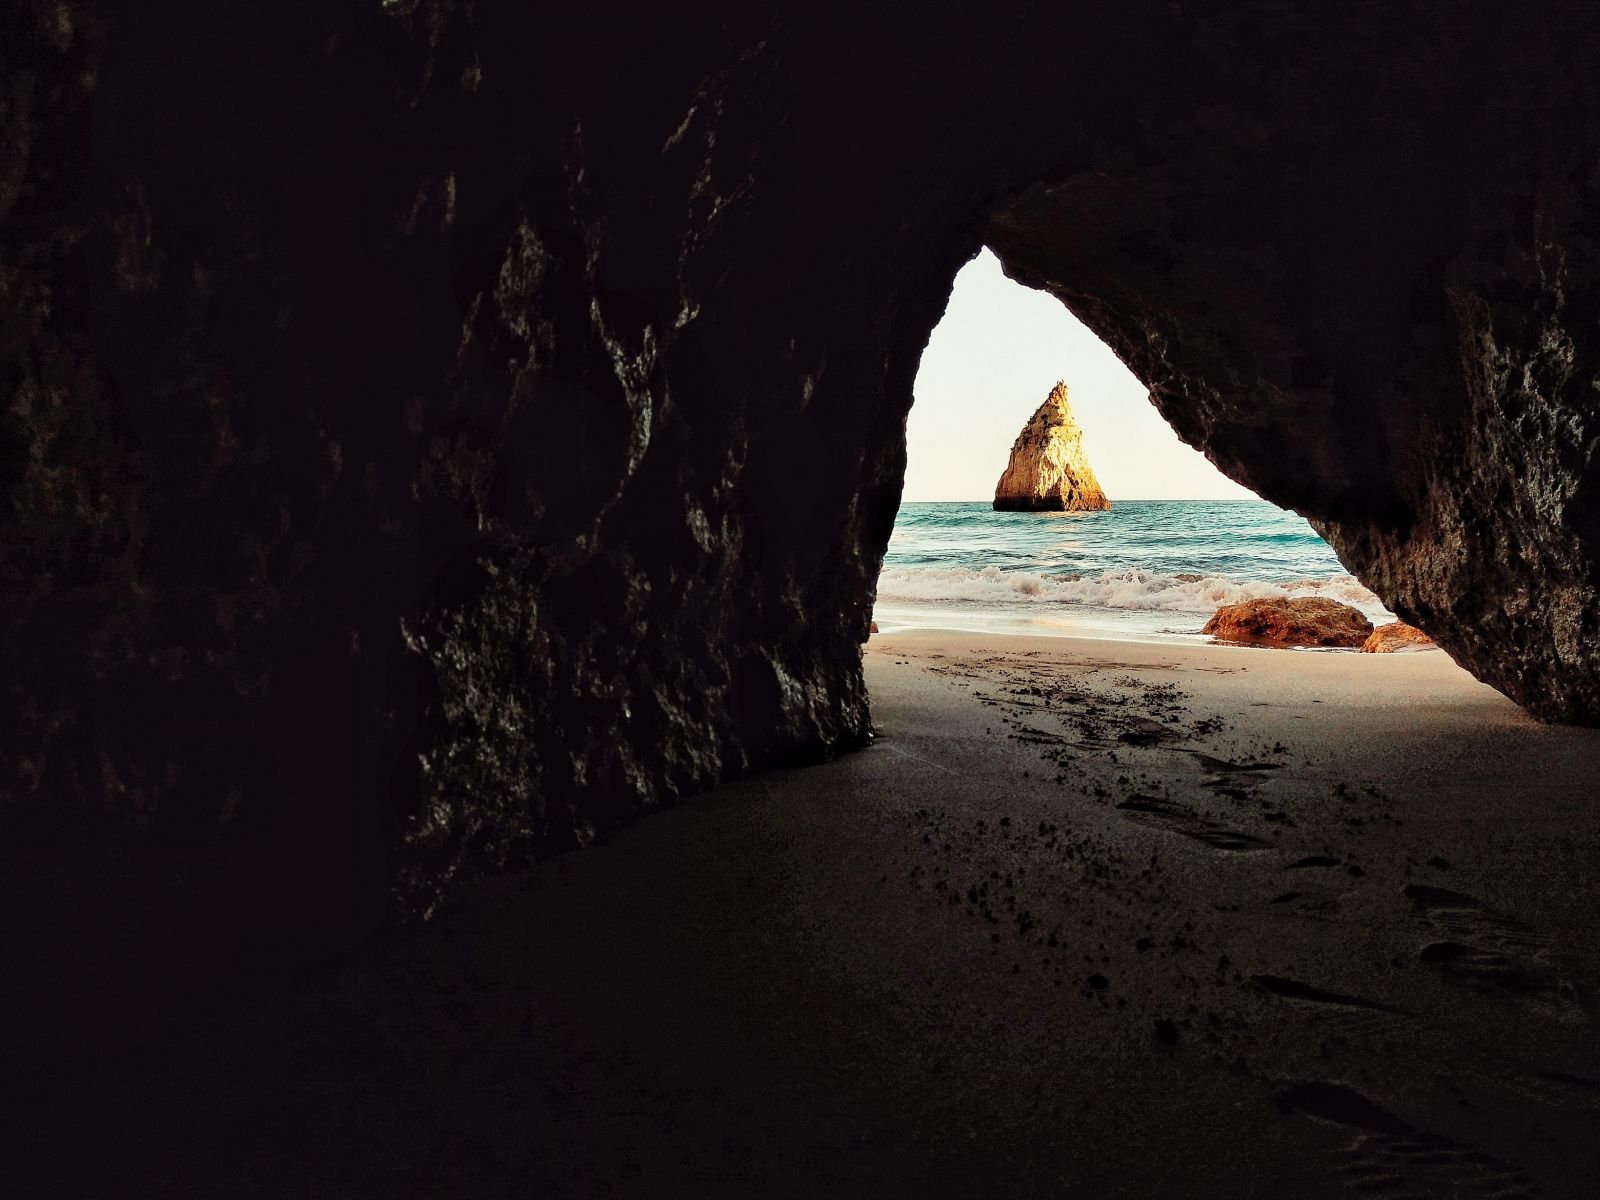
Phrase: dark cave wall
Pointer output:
(436, 432)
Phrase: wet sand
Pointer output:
(1089, 918)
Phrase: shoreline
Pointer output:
(1172, 640)
(1147, 570)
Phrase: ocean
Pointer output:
(1147, 570)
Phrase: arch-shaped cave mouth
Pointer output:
(1206, 668)
(1012, 387)
(1355, 430)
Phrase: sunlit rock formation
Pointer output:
(1396, 635)
(1304, 621)
(1048, 471)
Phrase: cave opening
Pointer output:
(1137, 537)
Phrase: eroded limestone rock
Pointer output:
(1396, 635)
(1303, 621)
(1048, 470)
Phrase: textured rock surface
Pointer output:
(1304, 621)
(1425, 390)
(1047, 470)
(1396, 635)
(432, 431)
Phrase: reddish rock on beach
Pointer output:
(1396, 635)
(1309, 621)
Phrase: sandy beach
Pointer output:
(1089, 918)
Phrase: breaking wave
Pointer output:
(1125, 589)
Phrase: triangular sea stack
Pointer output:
(1048, 471)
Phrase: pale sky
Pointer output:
(992, 361)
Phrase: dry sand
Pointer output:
(1090, 918)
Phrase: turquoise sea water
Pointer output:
(1151, 570)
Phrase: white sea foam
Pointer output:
(1128, 589)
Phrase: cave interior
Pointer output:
(438, 434)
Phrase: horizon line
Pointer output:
(1124, 500)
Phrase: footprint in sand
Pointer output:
(1175, 818)
(1145, 732)
(1221, 766)
(1293, 989)
(1365, 1021)
(1388, 1156)
(1358, 1019)
(1481, 948)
